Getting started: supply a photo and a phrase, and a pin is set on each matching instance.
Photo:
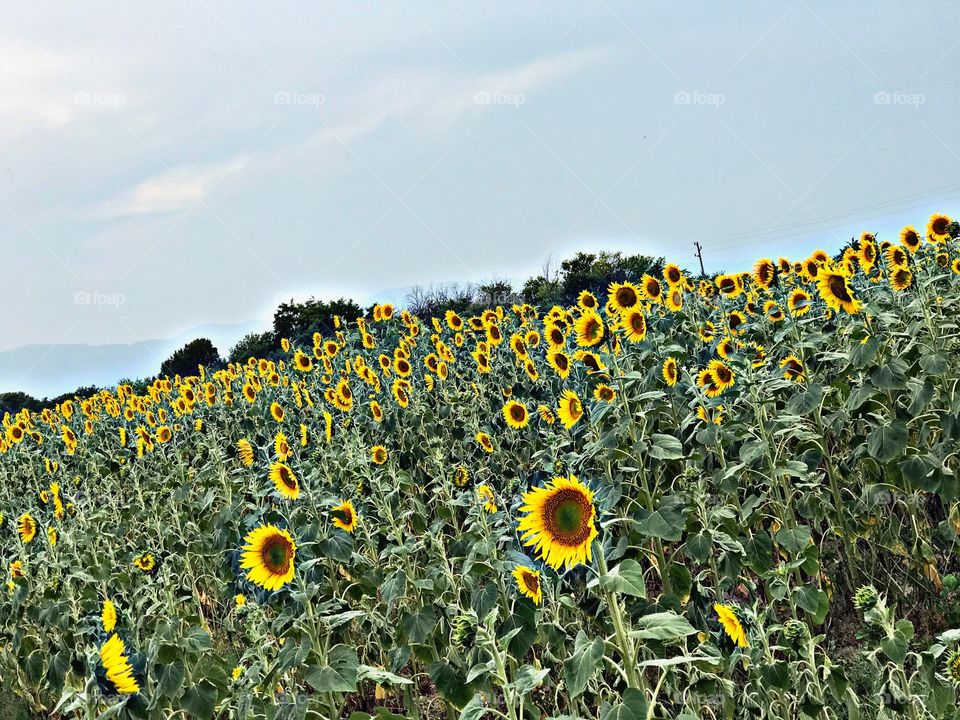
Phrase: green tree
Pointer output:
(187, 359)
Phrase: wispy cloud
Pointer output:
(174, 190)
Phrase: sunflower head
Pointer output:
(559, 522)
(268, 557)
(345, 516)
(528, 583)
(515, 414)
(731, 624)
(116, 671)
(285, 480)
(569, 409)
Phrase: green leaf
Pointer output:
(665, 447)
(580, 667)
(662, 626)
(887, 441)
(627, 579)
(666, 522)
(528, 678)
(794, 540)
(381, 676)
(170, 679)
(814, 601)
(473, 710)
(199, 700)
(806, 402)
(633, 706)
(895, 648)
(451, 685)
(340, 675)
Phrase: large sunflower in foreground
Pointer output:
(528, 583)
(836, 292)
(117, 668)
(559, 522)
(268, 554)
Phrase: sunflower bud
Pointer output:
(866, 598)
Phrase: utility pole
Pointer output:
(700, 258)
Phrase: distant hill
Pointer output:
(49, 370)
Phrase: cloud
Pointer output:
(174, 190)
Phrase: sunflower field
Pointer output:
(733, 497)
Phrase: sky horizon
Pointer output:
(196, 163)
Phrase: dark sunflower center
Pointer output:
(567, 516)
(574, 407)
(532, 582)
(939, 226)
(626, 297)
(344, 515)
(735, 321)
(556, 337)
(276, 555)
(794, 367)
(653, 288)
(637, 323)
(723, 374)
(286, 477)
(838, 287)
(674, 275)
(517, 412)
(562, 362)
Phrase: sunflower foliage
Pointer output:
(732, 498)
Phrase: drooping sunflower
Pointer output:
(938, 228)
(836, 292)
(670, 371)
(900, 279)
(484, 441)
(731, 624)
(604, 393)
(528, 583)
(772, 311)
(634, 325)
(623, 296)
(461, 476)
(108, 616)
(590, 360)
(569, 408)
(487, 498)
(268, 557)
(379, 454)
(799, 302)
(16, 570)
(953, 666)
(345, 516)
(792, 368)
(546, 414)
(559, 522)
(27, 527)
(117, 668)
(515, 414)
(589, 328)
(285, 480)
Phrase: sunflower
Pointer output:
(528, 583)
(345, 516)
(559, 522)
(145, 563)
(281, 446)
(955, 266)
(589, 328)
(799, 302)
(454, 321)
(867, 253)
(559, 361)
(590, 360)
(587, 300)
(672, 274)
(268, 556)
(604, 393)
(729, 285)
(16, 570)
(515, 414)
(634, 325)
(669, 371)
(938, 228)
(723, 376)
(276, 411)
(910, 238)
(379, 454)
(485, 442)
(108, 616)
(487, 498)
(27, 527)
(792, 368)
(117, 668)
(674, 299)
(735, 320)
(731, 624)
(708, 382)
(764, 273)
(285, 480)
(900, 279)
(546, 414)
(835, 290)
(623, 296)
(302, 361)
(52, 536)
(896, 256)
(953, 666)
(461, 476)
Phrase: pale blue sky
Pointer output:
(191, 163)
